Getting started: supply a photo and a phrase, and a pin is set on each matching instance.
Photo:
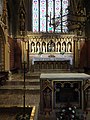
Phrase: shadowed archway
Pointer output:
(2, 49)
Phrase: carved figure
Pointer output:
(69, 47)
(44, 49)
(22, 22)
(38, 47)
(33, 48)
(47, 98)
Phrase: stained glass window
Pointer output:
(35, 16)
(58, 15)
(49, 15)
(1, 7)
(42, 15)
(64, 13)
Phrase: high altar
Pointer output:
(54, 50)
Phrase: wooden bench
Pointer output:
(3, 77)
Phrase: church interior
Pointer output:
(44, 59)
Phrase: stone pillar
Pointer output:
(40, 46)
(76, 53)
(61, 45)
(7, 57)
(67, 46)
(72, 41)
(56, 46)
(35, 47)
(46, 47)
(29, 46)
(22, 45)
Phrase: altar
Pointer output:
(57, 90)
(51, 62)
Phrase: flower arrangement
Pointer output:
(62, 52)
(40, 53)
(68, 113)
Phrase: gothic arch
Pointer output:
(64, 46)
(69, 47)
(38, 46)
(32, 47)
(58, 47)
(43, 46)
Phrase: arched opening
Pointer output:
(2, 49)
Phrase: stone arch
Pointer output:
(32, 47)
(38, 47)
(58, 47)
(64, 46)
(43, 46)
(69, 47)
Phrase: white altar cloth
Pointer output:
(61, 58)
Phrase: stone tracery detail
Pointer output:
(32, 47)
(58, 47)
(38, 47)
(43, 47)
(48, 43)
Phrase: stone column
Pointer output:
(66, 47)
(75, 53)
(72, 45)
(23, 48)
(35, 46)
(40, 45)
(7, 56)
(29, 46)
(61, 45)
(56, 46)
(46, 47)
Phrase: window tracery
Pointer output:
(49, 15)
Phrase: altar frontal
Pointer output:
(59, 89)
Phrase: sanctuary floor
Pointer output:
(11, 94)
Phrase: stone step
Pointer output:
(21, 82)
(20, 88)
(27, 76)
(33, 75)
